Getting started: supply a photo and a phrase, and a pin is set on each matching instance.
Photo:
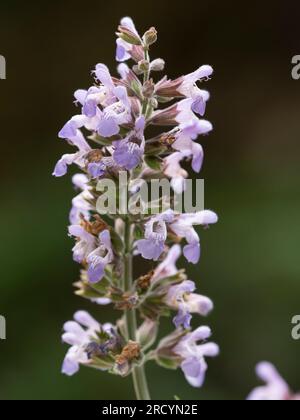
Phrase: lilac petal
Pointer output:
(192, 252)
(90, 108)
(96, 169)
(150, 249)
(121, 94)
(96, 272)
(140, 124)
(191, 367)
(199, 106)
(69, 367)
(60, 169)
(85, 319)
(194, 371)
(80, 95)
(108, 127)
(200, 334)
(103, 75)
(206, 217)
(197, 158)
(105, 239)
(182, 318)
(127, 155)
(69, 130)
(120, 53)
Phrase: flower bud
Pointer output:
(144, 66)
(154, 103)
(157, 65)
(128, 36)
(137, 70)
(150, 37)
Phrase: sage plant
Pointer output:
(146, 127)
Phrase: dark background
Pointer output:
(250, 263)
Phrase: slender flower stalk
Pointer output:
(146, 129)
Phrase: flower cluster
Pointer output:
(148, 129)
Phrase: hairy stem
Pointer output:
(138, 374)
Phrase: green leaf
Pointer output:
(138, 232)
(117, 242)
(154, 163)
(164, 99)
(167, 362)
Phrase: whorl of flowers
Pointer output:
(112, 133)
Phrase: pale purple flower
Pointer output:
(189, 89)
(174, 171)
(78, 334)
(156, 234)
(116, 114)
(125, 50)
(96, 169)
(193, 355)
(129, 151)
(86, 243)
(100, 258)
(185, 143)
(183, 226)
(80, 203)
(182, 298)
(167, 268)
(89, 99)
(73, 135)
(186, 86)
(276, 389)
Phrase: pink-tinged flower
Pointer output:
(186, 86)
(181, 297)
(193, 355)
(100, 258)
(276, 389)
(174, 171)
(129, 151)
(86, 243)
(126, 50)
(79, 334)
(177, 113)
(80, 203)
(167, 268)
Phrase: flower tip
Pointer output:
(206, 71)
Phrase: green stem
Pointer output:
(138, 374)
(146, 78)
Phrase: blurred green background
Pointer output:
(250, 264)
